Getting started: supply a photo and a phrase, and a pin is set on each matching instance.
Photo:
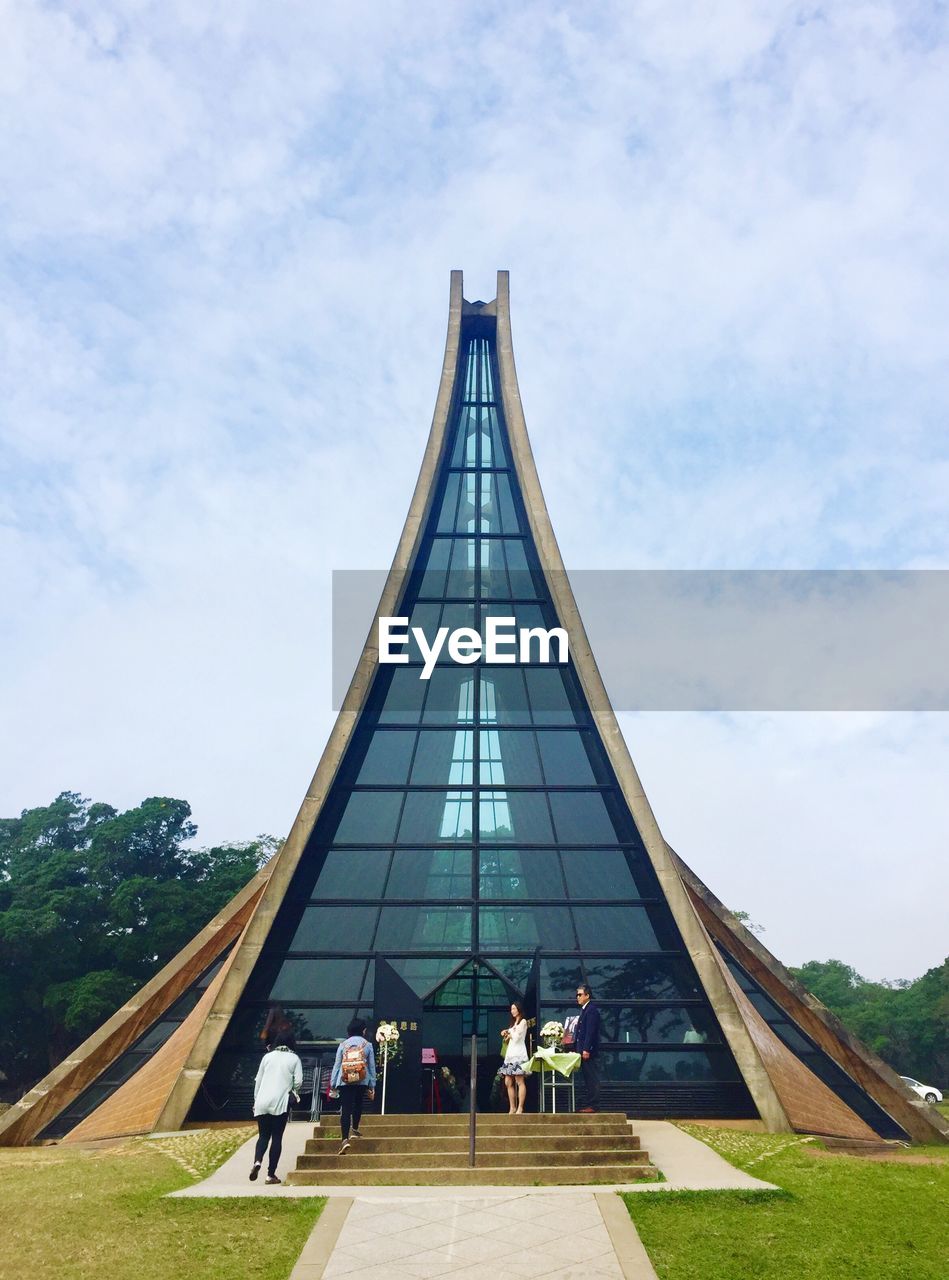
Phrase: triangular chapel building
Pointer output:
(474, 837)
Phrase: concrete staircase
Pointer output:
(423, 1150)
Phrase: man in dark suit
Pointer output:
(587, 1044)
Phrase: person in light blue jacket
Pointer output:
(354, 1076)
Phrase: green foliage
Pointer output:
(906, 1023)
(92, 903)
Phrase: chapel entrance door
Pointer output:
(474, 999)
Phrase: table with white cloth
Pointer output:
(552, 1063)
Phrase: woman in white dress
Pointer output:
(515, 1059)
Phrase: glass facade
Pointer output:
(475, 818)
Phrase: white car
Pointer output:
(928, 1092)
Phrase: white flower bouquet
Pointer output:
(551, 1035)
(390, 1045)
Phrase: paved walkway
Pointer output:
(421, 1233)
(468, 1237)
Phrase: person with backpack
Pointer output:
(354, 1076)
(280, 1074)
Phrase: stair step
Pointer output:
(495, 1117)
(486, 1143)
(487, 1175)
(525, 1129)
(457, 1159)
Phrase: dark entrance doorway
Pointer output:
(475, 999)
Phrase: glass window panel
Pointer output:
(433, 816)
(370, 817)
(517, 971)
(583, 817)
(426, 616)
(766, 1007)
(491, 990)
(155, 1036)
(444, 757)
(210, 974)
(450, 696)
(605, 873)
(387, 759)
(457, 991)
(503, 499)
(353, 873)
(125, 1066)
(524, 615)
(797, 1043)
(459, 508)
(335, 929)
(465, 450)
(524, 928)
(625, 928)
(430, 616)
(521, 578)
(509, 758)
(664, 1065)
(504, 571)
(324, 1025)
(643, 978)
(559, 978)
(402, 699)
(504, 696)
(566, 757)
(455, 615)
(487, 373)
(512, 875)
(86, 1103)
(644, 1024)
(184, 1004)
(426, 874)
(514, 815)
(461, 572)
(434, 565)
(303, 980)
(471, 370)
(548, 697)
(423, 973)
(493, 450)
(423, 928)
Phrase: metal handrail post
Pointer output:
(471, 1101)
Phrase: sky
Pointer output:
(227, 235)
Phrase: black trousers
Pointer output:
(351, 1099)
(270, 1130)
(590, 1069)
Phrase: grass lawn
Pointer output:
(837, 1217)
(75, 1214)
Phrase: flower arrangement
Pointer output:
(551, 1035)
(390, 1045)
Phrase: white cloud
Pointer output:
(228, 234)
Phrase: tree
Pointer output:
(92, 903)
(906, 1023)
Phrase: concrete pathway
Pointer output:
(470, 1236)
(688, 1164)
(421, 1233)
